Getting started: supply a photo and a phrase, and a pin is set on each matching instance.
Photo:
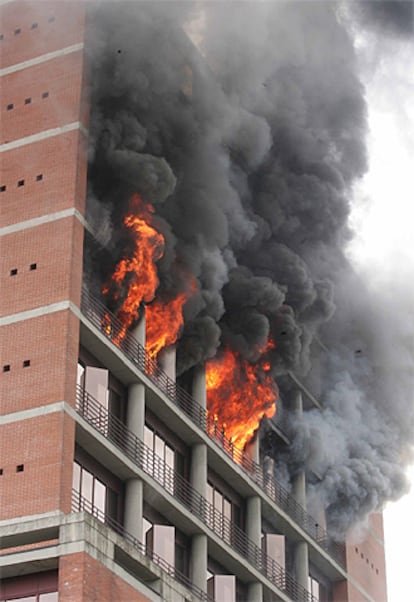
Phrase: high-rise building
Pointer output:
(115, 482)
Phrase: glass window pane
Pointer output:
(99, 496)
(227, 508)
(218, 501)
(76, 477)
(80, 375)
(148, 437)
(87, 485)
(169, 456)
(25, 599)
(50, 597)
(159, 446)
(209, 493)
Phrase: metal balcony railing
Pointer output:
(81, 504)
(153, 465)
(108, 324)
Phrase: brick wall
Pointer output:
(41, 97)
(41, 265)
(54, 178)
(49, 343)
(82, 578)
(33, 28)
(37, 459)
(366, 564)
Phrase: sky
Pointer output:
(383, 248)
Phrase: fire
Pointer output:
(239, 395)
(137, 274)
(163, 324)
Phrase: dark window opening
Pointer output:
(34, 25)
(6, 368)
(1, 471)
(39, 177)
(10, 106)
(26, 363)
(1, 36)
(17, 31)
(27, 101)
(33, 266)
(45, 94)
(20, 183)
(20, 468)
(3, 188)
(13, 272)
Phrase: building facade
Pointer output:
(115, 483)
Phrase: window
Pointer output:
(162, 459)
(27, 101)
(10, 106)
(313, 587)
(91, 490)
(224, 514)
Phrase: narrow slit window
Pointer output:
(6, 368)
(45, 95)
(26, 363)
(17, 31)
(34, 26)
(20, 183)
(13, 272)
(27, 101)
(10, 106)
(1, 36)
(39, 177)
(1, 471)
(33, 266)
(3, 188)
(20, 468)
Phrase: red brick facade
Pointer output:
(42, 260)
(83, 578)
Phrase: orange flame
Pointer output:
(163, 323)
(138, 273)
(164, 320)
(239, 395)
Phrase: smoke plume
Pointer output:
(247, 136)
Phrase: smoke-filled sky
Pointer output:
(250, 140)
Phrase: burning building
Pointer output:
(184, 413)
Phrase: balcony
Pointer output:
(80, 504)
(97, 314)
(173, 483)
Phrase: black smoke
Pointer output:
(248, 140)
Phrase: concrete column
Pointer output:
(255, 592)
(253, 449)
(139, 332)
(134, 491)
(198, 469)
(301, 564)
(167, 361)
(198, 480)
(134, 500)
(198, 568)
(254, 520)
(301, 552)
(199, 390)
(136, 409)
(254, 534)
